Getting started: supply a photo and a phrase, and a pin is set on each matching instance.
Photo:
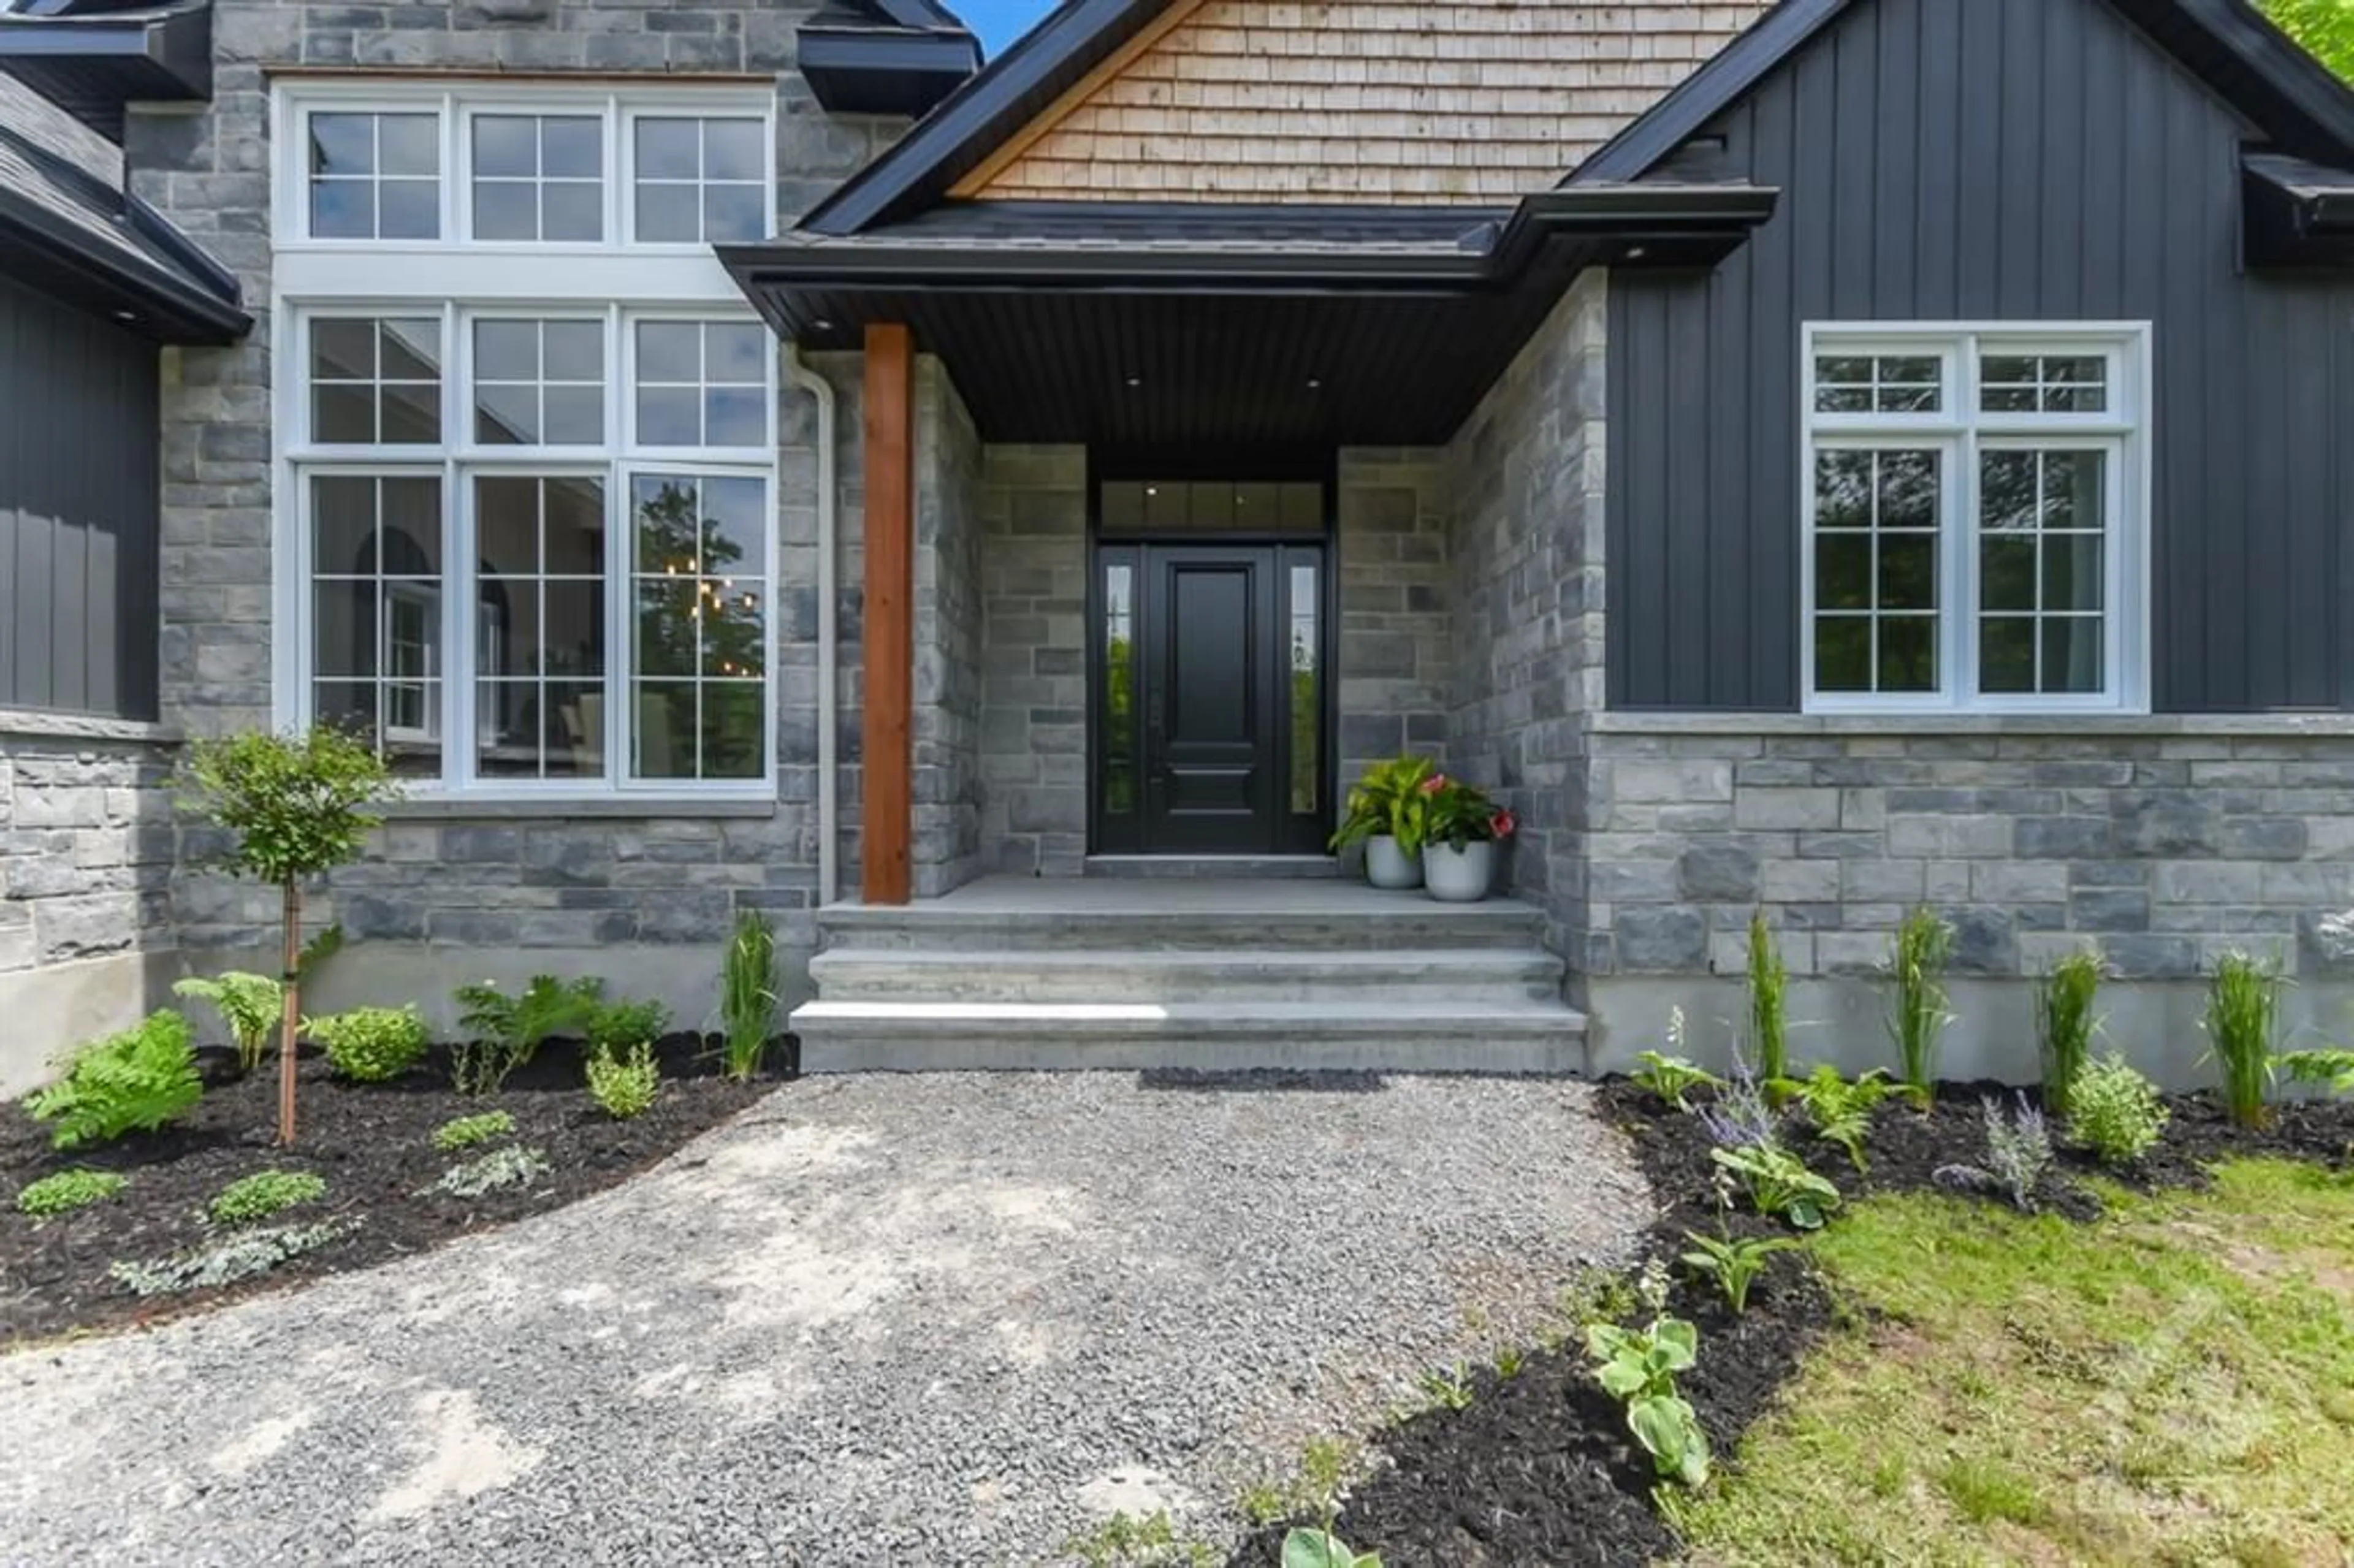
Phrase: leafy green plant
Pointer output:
(238, 1255)
(1917, 1015)
(1839, 1110)
(1732, 1263)
(1306, 1548)
(249, 1006)
(1447, 1388)
(1456, 814)
(1509, 1359)
(1769, 1001)
(503, 1033)
(2325, 27)
(469, 1131)
(371, 1045)
(2018, 1151)
(1124, 1541)
(296, 806)
(262, 1194)
(67, 1190)
(747, 994)
(132, 1082)
(1390, 798)
(2242, 1024)
(1639, 1367)
(510, 1165)
(2065, 1023)
(2330, 1069)
(618, 1025)
(624, 1087)
(1778, 1184)
(1669, 1079)
(2113, 1111)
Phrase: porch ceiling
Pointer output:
(1169, 326)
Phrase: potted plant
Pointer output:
(1462, 829)
(1386, 811)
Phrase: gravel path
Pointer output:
(938, 1320)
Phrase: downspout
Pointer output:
(829, 870)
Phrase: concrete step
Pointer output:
(1258, 867)
(1398, 923)
(1493, 1036)
(1137, 975)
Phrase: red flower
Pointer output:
(1433, 784)
(1502, 825)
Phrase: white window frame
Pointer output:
(1960, 430)
(458, 279)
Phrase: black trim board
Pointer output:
(95, 64)
(868, 71)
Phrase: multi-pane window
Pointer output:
(376, 380)
(374, 176)
(1974, 517)
(700, 180)
(539, 383)
(699, 596)
(376, 611)
(701, 384)
(539, 177)
(540, 700)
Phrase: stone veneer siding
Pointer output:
(946, 829)
(1033, 724)
(1396, 635)
(1526, 475)
(86, 854)
(514, 884)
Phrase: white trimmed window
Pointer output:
(1976, 509)
(527, 466)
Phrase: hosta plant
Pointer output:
(132, 1082)
(1778, 1184)
(1310, 1547)
(249, 1006)
(1734, 1264)
(2113, 1112)
(371, 1045)
(1639, 1367)
(1671, 1078)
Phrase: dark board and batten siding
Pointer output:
(1958, 160)
(78, 471)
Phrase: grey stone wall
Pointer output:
(1033, 723)
(1525, 473)
(1397, 587)
(946, 838)
(536, 881)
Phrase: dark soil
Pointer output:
(371, 1143)
(1538, 1469)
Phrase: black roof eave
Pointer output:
(2296, 214)
(94, 64)
(152, 300)
(865, 71)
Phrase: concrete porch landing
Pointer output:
(1220, 974)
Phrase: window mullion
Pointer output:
(1961, 641)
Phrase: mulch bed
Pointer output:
(371, 1143)
(1538, 1470)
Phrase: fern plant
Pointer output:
(249, 1005)
(132, 1082)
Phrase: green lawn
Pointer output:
(2172, 1385)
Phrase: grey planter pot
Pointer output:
(1460, 875)
(1386, 866)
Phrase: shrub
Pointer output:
(511, 1165)
(2113, 1111)
(371, 1045)
(262, 1194)
(748, 993)
(2018, 1150)
(67, 1190)
(2243, 1020)
(1917, 1013)
(624, 1087)
(618, 1025)
(251, 1006)
(1769, 985)
(2065, 1023)
(503, 1033)
(132, 1082)
(467, 1131)
(239, 1255)
(297, 807)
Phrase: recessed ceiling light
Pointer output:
(1152, 490)
(823, 324)
(1636, 253)
(1136, 381)
(1316, 384)
(126, 315)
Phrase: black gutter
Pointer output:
(93, 63)
(151, 297)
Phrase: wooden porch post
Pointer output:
(887, 760)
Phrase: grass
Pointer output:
(2172, 1385)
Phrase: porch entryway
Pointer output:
(1212, 973)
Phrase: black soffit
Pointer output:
(94, 58)
(885, 57)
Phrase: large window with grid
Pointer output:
(1975, 518)
(527, 497)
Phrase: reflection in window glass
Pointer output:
(2044, 384)
(700, 181)
(1307, 699)
(376, 622)
(375, 177)
(702, 384)
(376, 381)
(540, 664)
(539, 383)
(2043, 569)
(1879, 384)
(1120, 689)
(699, 611)
(1876, 515)
(539, 177)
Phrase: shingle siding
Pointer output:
(1369, 100)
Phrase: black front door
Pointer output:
(1210, 711)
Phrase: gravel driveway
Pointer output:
(939, 1321)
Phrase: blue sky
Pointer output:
(999, 22)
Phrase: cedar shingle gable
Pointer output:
(1408, 102)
